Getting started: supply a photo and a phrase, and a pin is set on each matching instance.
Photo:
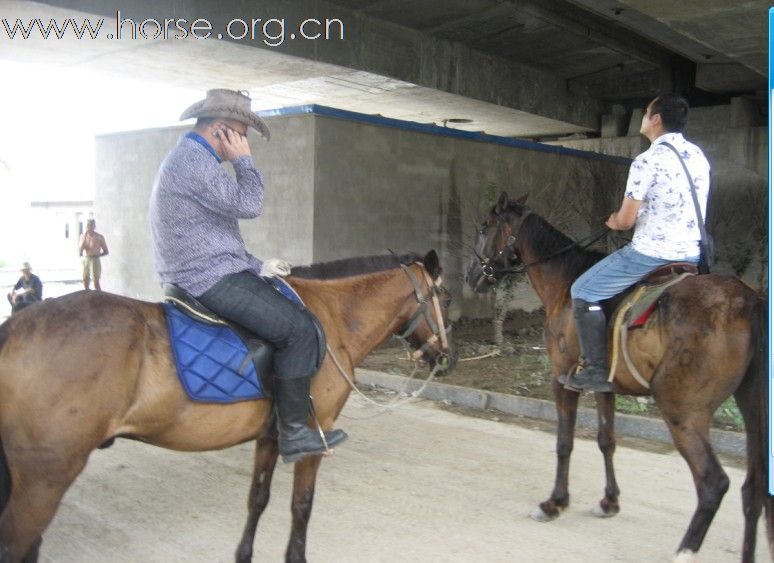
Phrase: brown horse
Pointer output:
(83, 369)
(705, 340)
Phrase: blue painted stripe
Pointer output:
(436, 130)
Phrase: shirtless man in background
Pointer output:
(94, 246)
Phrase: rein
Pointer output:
(489, 271)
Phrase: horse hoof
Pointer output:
(539, 516)
(686, 556)
(600, 512)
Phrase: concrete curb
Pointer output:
(724, 442)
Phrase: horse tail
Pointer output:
(752, 398)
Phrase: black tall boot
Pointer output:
(296, 439)
(591, 326)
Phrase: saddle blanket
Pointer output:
(632, 313)
(213, 363)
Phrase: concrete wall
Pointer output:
(380, 188)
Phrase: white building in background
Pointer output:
(58, 226)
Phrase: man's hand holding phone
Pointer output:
(233, 145)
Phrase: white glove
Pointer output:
(275, 267)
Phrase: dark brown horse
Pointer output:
(80, 370)
(705, 340)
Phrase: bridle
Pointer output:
(440, 331)
(507, 253)
(494, 275)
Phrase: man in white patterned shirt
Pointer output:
(659, 205)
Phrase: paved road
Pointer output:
(421, 484)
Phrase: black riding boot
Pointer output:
(591, 326)
(296, 439)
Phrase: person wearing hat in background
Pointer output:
(194, 211)
(28, 290)
(94, 245)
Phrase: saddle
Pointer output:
(636, 307)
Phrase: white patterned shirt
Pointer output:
(666, 225)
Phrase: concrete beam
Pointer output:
(381, 48)
(727, 77)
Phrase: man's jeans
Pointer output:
(248, 300)
(615, 273)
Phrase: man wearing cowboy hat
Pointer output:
(194, 211)
(28, 290)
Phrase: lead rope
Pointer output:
(401, 399)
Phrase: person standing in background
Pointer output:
(92, 248)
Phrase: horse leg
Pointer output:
(751, 398)
(608, 506)
(266, 452)
(5, 494)
(691, 436)
(301, 507)
(33, 552)
(35, 496)
(566, 410)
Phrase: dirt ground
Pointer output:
(520, 368)
(419, 484)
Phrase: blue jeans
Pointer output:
(252, 302)
(615, 273)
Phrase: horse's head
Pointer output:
(427, 328)
(494, 250)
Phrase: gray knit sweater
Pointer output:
(194, 211)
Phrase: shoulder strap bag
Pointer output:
(707, 257)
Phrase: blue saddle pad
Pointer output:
(284, 288)
(212, 361)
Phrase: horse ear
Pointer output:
(432, 264)
(523, 199)
(502, 203)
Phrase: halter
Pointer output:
(439, 330)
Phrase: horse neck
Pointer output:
(549, 278)
(359, 313)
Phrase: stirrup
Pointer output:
(605, 384)
(328, 451)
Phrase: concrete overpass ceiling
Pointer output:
(521, 68)
(619, 51)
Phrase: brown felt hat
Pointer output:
(227, 104)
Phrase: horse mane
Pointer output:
(348, 267)
(547, 239)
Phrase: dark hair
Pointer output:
(673, 110)
(203, 122)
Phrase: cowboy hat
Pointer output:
(227, 104)
(26, 266)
